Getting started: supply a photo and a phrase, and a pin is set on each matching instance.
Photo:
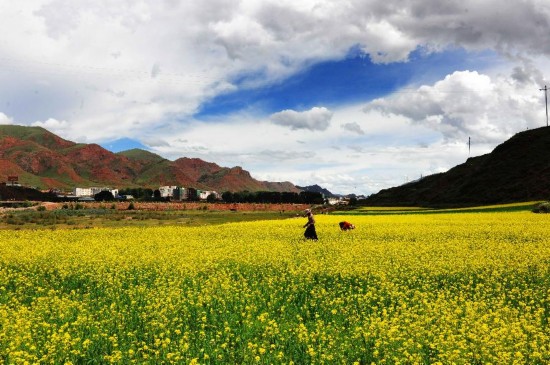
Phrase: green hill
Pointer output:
(517, 170)
(137, 154)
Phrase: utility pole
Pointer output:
(469, 146)
(546, 102)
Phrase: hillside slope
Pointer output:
(516, 170)
(42, 159)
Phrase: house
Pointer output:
(333, 201)
(13, 180)
(90, 192)
(180, 193)
(82, 192)
(205, 193)
(193, 194)
(167, 191)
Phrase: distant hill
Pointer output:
(41, 159)
(517, 170)
(317, 189)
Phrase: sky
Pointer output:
(353, 95)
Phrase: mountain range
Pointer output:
(318, 189)
(42, 159)
(517, 170)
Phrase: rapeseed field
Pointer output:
(467, 288)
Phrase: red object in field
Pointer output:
(345, 226)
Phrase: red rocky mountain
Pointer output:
(41, 159)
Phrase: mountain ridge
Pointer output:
(516, 170)
(42, 159)
(318, 189)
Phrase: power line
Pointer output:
(546, 101)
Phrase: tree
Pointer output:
(211, 198)
(138, 193)
(103, 196)
(310, 197)
(228, 197)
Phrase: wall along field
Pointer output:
(460, 288)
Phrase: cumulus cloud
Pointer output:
(353, 127)
(4, 119)
(101, 46)
(467, 103)
(52, 124)
(315, 119)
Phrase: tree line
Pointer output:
(304, 197)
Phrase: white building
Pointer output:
(167, 191)
(82, 191)
(96, 190)
(93, 191)
(205, 193)
(336, 201)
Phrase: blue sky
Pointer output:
(355, 96)
(123, 144)
(334, 83)
(350, 80)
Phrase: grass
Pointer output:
(511, 207)
(111, 218)
(88, 218)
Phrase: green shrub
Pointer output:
(543, 207)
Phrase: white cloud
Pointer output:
(467, 103)
(284, 155)
(155, 70)
(155, 142)
(315, 119)
(4, 119)
(52, 124)
(391, 151)
(353, 127)
(86, 51)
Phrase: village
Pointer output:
(176, 193)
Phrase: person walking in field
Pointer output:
(310, 232)
(346, 226)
